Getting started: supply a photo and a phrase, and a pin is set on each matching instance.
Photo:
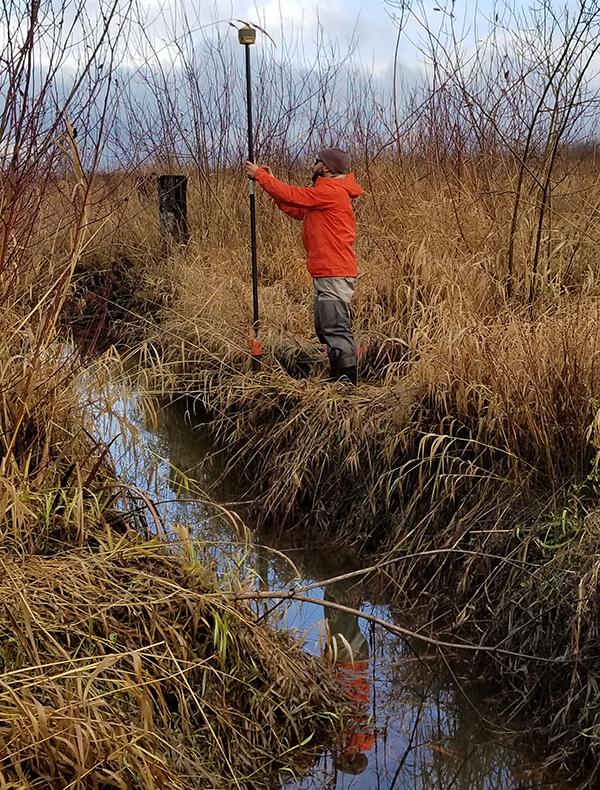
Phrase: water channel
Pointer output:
(422, 729)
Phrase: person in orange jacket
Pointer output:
(328, 233)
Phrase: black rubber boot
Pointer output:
(349, 375)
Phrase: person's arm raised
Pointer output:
(291, 211)
(296, 197)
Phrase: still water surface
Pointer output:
(420, 728)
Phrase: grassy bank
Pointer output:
(123, 662)
(469, 449)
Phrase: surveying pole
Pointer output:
(247, 37)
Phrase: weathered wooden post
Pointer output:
(172, 207)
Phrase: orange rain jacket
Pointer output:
(329, 226)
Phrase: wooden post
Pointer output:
(172, 207)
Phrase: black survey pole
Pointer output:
(247, 37)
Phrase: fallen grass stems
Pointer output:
(127, 666)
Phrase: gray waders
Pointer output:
(333, 324)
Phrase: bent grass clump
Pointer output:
(127, 667)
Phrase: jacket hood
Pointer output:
(347, 182)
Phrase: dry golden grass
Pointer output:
(433, 312)
(128, 667)
(122, 661)
(472, 440)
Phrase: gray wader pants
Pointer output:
(333, 319)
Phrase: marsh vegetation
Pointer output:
(464, 466)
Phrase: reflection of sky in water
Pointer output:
(428, 736)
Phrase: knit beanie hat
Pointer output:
(336, 160)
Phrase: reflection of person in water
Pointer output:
(350, 652)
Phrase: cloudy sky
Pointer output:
(165, 36)
(372, 25)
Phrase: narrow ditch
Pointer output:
(423, 725)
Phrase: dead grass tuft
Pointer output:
(128, 667)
